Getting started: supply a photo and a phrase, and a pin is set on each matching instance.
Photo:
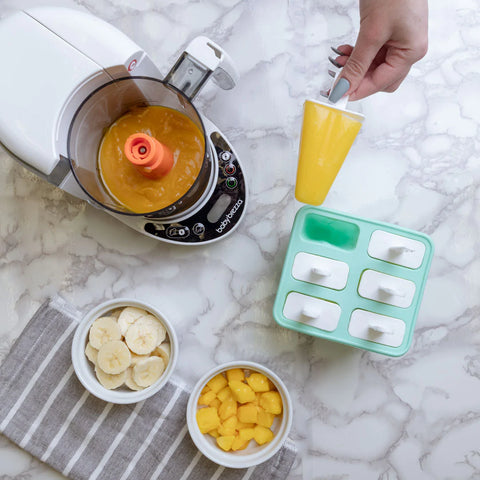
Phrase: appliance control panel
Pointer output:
(221, 213)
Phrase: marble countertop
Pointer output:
(416, 163)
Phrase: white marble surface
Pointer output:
(416, 162)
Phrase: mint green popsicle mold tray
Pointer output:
(353, 281)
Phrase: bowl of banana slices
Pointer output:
(124, 351)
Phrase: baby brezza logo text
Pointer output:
(229, 216)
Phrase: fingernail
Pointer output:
(339, 90)
(332, 73)
(334, 62)
(337, 51)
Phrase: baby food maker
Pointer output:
(69, 75)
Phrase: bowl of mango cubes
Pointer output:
(239, 414)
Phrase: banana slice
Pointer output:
(91, 353)
(115, 313)
(114, 357)
(103, 330)
(141, 337)
(130, 382)
(163, 351)
(148, 371)
(129, 316)
(155, 323)
(110, 381)
(136, 358)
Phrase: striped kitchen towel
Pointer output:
(46, 410)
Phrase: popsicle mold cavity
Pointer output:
(376, 328)
(384, 288)
(312, 311)
(329, 230)
(320, 270)
(392, 248)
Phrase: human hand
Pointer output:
(393, 36)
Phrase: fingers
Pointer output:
(370, 86)
(343, 50)
(385, 74)
(356, 64)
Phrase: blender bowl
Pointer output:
(100, 110)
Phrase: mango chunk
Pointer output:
(228, 427)
(239, 444)
(226, 442)
(224, 393)
(247, 413)
(246, 434)
(207, 419)
(235, 374)
(227, 408)
(262, 435)
(258, 382)
(217, 382)
(236, 408)
(271, 402)
(206, 398)
(241, 392)
(241, 425)
(265, 419)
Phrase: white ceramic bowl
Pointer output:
(254, 454)
(85, 370)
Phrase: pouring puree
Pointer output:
(129, 187)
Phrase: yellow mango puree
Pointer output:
(327, 135)
(129, 187)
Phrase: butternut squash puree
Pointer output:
(129, 187)
(327, 135)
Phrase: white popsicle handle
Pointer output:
(399, 249)
(342, 102)
(320, 271)
(378, 327)
(311, 312)
(391, 291)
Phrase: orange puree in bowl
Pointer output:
(129, 187)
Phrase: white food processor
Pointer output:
(71, 75)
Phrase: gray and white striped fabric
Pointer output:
(45, 410)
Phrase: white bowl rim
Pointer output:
(83, 368)
(229, 459)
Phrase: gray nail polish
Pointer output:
(339, 90)
(337, 51)
(334, 62)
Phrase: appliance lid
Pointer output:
(95, 38)
(40, 72)
(58, 56)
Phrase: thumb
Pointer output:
(356, 66)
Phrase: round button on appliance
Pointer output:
(225, 156)
(231, 182)
(230, 169)
(198, 228)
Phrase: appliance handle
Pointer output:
(201, 60)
